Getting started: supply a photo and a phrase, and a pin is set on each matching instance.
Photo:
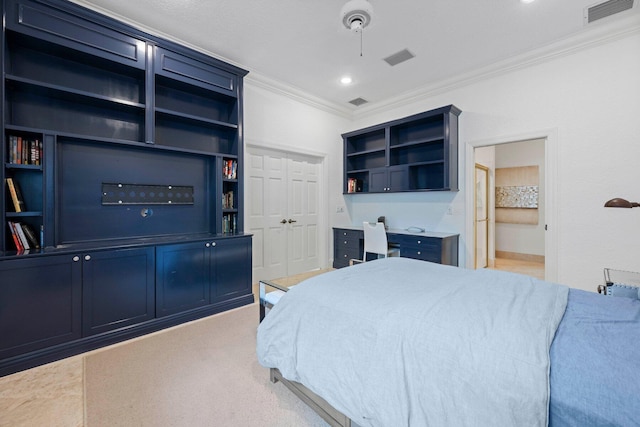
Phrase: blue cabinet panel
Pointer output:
(40, 303)
(182, 277)
(231, 268)
(118, 289)
(192, 71)
(62, 28)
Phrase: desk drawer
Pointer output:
(343, 255)
(347, 238)
(421, 254)
(418, 242)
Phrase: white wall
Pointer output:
(523, 238)
(589, 99)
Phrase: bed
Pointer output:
(399, 342)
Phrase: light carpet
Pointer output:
(203, 373)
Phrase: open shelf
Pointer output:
(415, 153)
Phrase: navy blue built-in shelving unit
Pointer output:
(100, 104)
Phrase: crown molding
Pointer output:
(601, 33)
(259, 80)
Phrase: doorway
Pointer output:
(283, 193)
(484, 152)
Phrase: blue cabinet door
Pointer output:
(40, 303)
(182, 277)
(230, 268)
(118, 289)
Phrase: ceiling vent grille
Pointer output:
(607, 8)
(398, 57)
(358, 101)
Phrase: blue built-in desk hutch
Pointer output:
(122, 156)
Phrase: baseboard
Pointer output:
(520, 256)
(35, 358)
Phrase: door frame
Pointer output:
(475, 216)
(550, 137)
(324, 215)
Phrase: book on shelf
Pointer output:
(230, 169)
(227, 200)
(23, 236)
(24, 151)
(229, 224)
(15, 194)
(15, 236)
(354, 185)
(34, 241)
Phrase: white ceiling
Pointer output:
(303, 44)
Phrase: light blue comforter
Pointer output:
(398, 342)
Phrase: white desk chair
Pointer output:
(375, 241)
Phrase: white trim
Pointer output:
(279, 88)
(551, 213)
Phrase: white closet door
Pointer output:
(282, 199)
(302, 220)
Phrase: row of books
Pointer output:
(24, 151)
(230, 169)
(24, 236)
(354, 185)
(229, 223)
(15, 195)
(227, 200)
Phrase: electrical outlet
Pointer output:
(339, 209)
(450, 210)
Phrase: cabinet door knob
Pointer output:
(87, 257)
(207, 244)
(213, 243)
(419, 241)
(284, 221)
(419, 253)
(76, 258)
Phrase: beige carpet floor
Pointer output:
(204, 373)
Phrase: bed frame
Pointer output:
(327, 412)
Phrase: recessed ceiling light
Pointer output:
(527, 1)
(346, 80)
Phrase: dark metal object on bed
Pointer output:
(328, 413)
(620, 283)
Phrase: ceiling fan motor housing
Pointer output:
(356, 14)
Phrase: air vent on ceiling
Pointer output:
(358, 101)
(398, 57)
(607, 8)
